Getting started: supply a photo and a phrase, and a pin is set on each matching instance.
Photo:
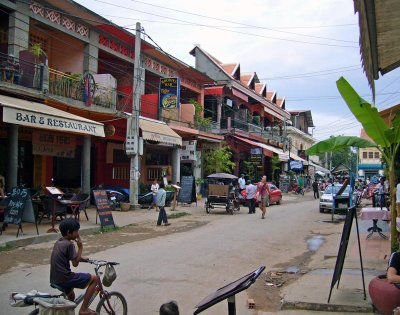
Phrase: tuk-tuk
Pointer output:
(222, 192)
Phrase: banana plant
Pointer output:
(384, 137)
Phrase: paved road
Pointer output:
(187, 266)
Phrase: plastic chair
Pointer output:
(48, 205)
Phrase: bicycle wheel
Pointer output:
(117, 302)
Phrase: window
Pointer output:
(365, 155)
(376, 155)
(370, 155)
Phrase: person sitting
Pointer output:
(169, 308)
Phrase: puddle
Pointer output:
(315, 242)
(293, 269)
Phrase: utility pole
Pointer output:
(132, 137)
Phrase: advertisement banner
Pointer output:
(296, 165)
(169, 93)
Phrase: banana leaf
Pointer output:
(366, 114)
(339, 142)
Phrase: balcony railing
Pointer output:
(84, 88)
(19, 72)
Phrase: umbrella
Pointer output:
(322, 174)
(222, 175)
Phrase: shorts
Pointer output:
(264, 200)
(79, 280)
(154, 198)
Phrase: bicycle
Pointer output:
(111, 303)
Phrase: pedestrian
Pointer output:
(161, 196)
(242, 183)
(63, 253)
(315, 189)
(154, 189)
(264, 192)
(169, 308)
(251, 191)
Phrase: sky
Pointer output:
(298, 48)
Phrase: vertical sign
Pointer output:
(169, 93)
(103, 208)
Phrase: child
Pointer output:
(60, 272)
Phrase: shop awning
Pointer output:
(370, 166)
(267, 149)
(298, 158)
(159, 131)
(282, 155)
(319, 168)
(37, 115)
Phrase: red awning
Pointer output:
(255, 144)
(214, 90)
(240, 95)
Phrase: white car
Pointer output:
(326, 199)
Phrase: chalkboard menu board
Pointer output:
(188, 190)
(19, 208)
(342, 248)
(103, 208)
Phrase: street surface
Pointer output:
(187, 266)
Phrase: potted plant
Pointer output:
(38, 52)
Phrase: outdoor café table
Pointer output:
(375, 214)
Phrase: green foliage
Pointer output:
(276, 166)
(169, 188)
(346, 157)
(337, 143)
(143, 188)
(249, 169)
(37, 50)
(199, 119)
(256, 120)
(219, 160)
(6, 247)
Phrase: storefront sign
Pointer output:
(53, 144)
(296, 165)
(188, 151)
(169, 93)
(41, 120)
(255, 158)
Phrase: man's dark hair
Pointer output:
(169, 308)
(68, 226)
(161, 185)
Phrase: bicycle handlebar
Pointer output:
(101, 262)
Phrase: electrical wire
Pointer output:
(232, 22)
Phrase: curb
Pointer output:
(324, 307)
(43, 238)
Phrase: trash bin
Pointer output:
(55, 306)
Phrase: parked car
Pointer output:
(326, 199)
(275, 197)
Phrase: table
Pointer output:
(375, 214)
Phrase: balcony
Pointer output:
(84, 89)
(21, 75)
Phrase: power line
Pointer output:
(309, 75)
(234, 22)
(224, 29)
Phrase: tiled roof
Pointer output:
(363, 135)
(246, 78)
(261, 89)
(280, 102)
(271, 95)
(229, 67)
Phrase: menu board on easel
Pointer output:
(103, 208)
(19, 209)
(54, 191)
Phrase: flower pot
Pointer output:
(125, 206)
(384, 295)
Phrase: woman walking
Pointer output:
(264, 192)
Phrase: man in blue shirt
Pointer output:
(161, 196)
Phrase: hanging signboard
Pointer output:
(169, 93)
(296, 165)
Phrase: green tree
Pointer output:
(385, 138)
(219, 160)
(199, 119)
(276, 166)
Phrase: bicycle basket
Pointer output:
(55, 306)
(109, 275)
